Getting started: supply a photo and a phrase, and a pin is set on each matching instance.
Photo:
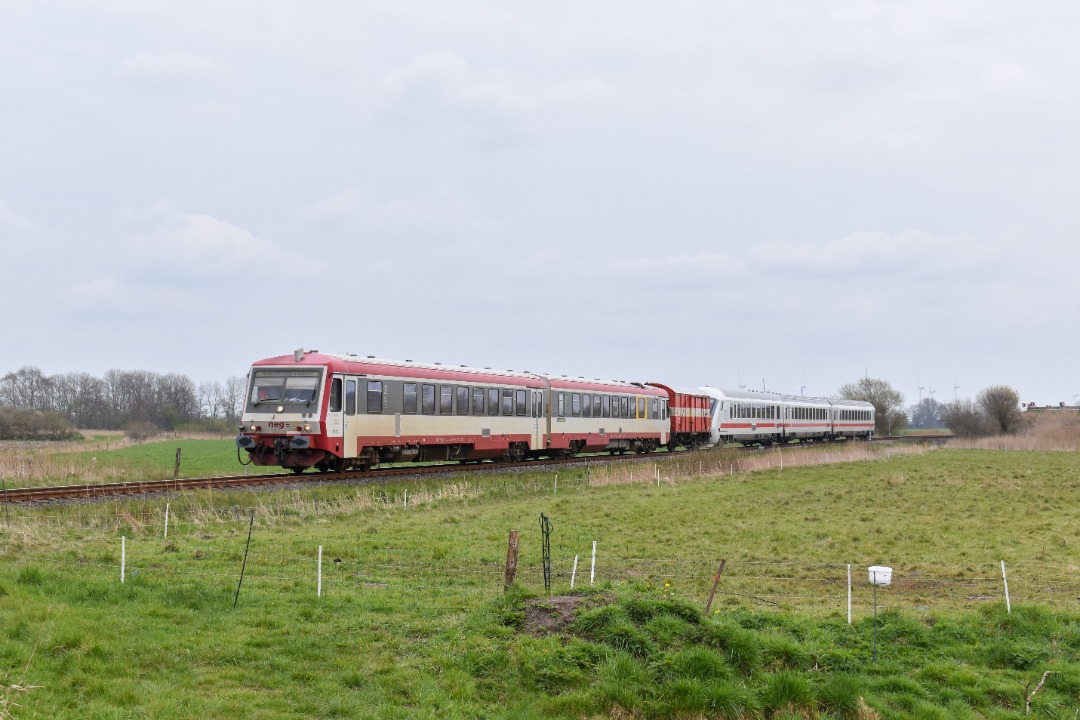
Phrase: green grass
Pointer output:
(413, 621)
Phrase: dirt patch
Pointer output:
(554, 615)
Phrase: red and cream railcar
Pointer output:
(691, 417)
(334, 412)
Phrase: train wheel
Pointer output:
(297, 470)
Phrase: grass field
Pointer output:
(413, 622)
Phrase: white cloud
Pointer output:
(869, 253)
(175, 247)
(439, 93)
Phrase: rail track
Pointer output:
(141, 487)
(34, 495)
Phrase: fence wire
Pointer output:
(460, 583)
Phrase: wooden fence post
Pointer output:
(511, 559)
(716, 582)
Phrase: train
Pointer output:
(338, 412)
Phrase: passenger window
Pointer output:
(507, 402)
(350, 397)
(408, 405)
(446, 400)
(655, 408)
(586, 405)
(575, 400)
(624, 407)
(562, 404)
(493, 401)
(522, 405)
(641, 408)
(374, 397)
(335, 395)
(463, 401)
(478, 401)
(427, 401)
(607, 406)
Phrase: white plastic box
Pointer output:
(880, 575)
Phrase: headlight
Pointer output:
(252, 428)
(280, 408)
(307, 428)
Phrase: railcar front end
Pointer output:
(283, 423)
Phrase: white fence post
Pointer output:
(573, 573)
(123, 557)
(1008, 603)
(592, 572)
(849, 594)
(406, 501)
(318, 591)
(166, 521)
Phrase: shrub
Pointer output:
(27, 424)
(142, 430)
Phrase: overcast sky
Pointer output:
(783, 194)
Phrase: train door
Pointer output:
(538, 418)
(335, 422)
(350, 421)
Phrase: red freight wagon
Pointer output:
(691, 416)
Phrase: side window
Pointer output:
(493, 401)
(641, 408)
(624, 407)
(562, 404)
(427, 400)
(463, 401)
(374, 396)
(586, 405)
(655, 408)
(478, 401)
(446, 400)
(350, 397)
(607, 406)
(596, 406)
(576, 400)
(507, 402)
(335, 395)
(522, 403)
(409, 399)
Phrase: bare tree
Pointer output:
(28, 387)
(235, 389)
(887, 401)
(926, 414)
(1001, 405)
(212, 396)
(965, 419)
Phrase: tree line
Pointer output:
(36, 405)
(994, 411)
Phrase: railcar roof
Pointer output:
(759, 396)
(371, 365)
